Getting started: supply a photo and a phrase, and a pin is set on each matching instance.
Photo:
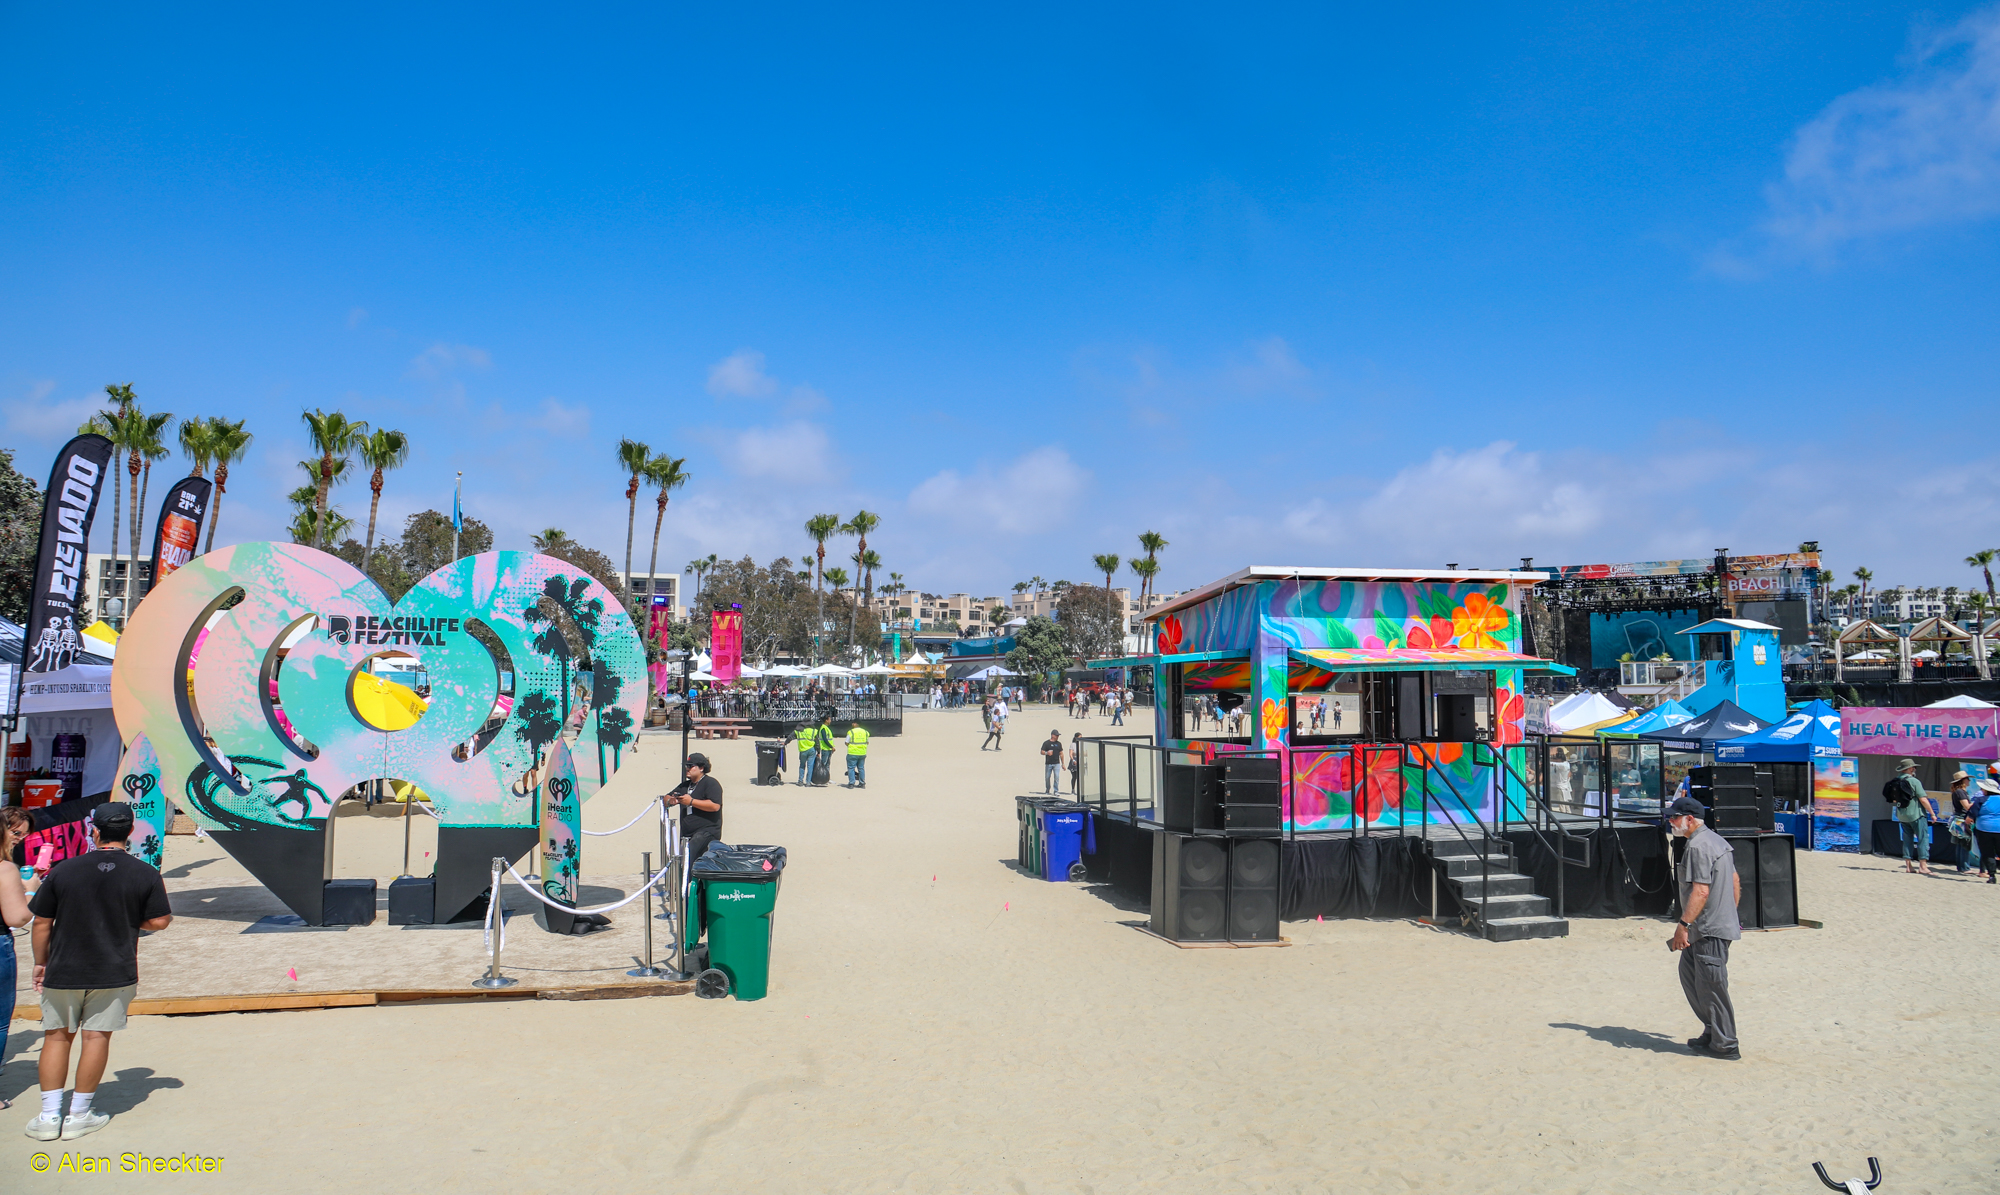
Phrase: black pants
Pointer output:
(700, 840)
(1989, 846)
(992, 736)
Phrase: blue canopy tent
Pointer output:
(1797, 752)
(1661, 717)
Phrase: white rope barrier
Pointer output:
(628, 825)
(537, 894)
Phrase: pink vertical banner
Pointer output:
(1942, 734)
(658, 615)
(725, 645)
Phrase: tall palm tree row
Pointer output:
(821, 528)
(665, 474)
(380, 450)
(229, 443)
(632, 459)
(1145, 569)
(152, 447)
(1983, 561)
(1152, 542)
(1864, 575)
(335, 437)
(1107, 563)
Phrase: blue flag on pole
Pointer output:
(457, 516)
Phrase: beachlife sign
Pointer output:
(1940, 734)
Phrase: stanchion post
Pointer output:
(648, 971)
(493, 978)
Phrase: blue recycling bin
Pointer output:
(1065, 834)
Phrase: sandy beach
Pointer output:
(941, 1022)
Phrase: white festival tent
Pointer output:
(1961, 702)
(73, 700)
(1585, 709)
(995, 670)
(877, 669)
(830, 670)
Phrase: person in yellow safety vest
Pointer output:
(823, 742)
(803, 740)
(857, 756)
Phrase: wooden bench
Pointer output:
(720, 728)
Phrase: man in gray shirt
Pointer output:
(1709, 890)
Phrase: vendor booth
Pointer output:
(1940, 741)
(1812, 783)
(1365, 721)
(64, 748)
(1692, 743)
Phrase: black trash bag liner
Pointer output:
(722, 861)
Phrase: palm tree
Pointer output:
(1106, 564)
(1152, 541)
(381, 450)
(838, 578)
(1146, 570)
(1983, 561)
(665, 474)
(197, 437)
(551, 540)
(231, 442)
(333, 436)
(118, 427)
(1864, 576)
(632, 458)
(821, 528)
(1036, 583)
(145, 446)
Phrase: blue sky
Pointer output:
(1314, 285)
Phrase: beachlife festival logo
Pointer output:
(375, 629)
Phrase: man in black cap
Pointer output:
(88, 915)
(700, 799)
(1709, 890)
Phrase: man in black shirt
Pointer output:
(700, 799)
(88, 915)
(1052, 751)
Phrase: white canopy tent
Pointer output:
(830, 670)
(876, 669)
(1594, 710)
(75, 700)
(995, 670)
(1961, 702)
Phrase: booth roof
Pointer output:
(1591, 712)
(12, 636)
(1661, 716)
(1721, 626)
(1265, 572)
(1813, 731)
(1414, 659)
(1725, 721)
(1961, 702)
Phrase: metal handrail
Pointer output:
(1485, 907)
(1557, 850)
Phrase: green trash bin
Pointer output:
(739, 893)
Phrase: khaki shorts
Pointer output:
(99, 1009)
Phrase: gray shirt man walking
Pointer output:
(1709, 890)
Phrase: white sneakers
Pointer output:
(83, 1126)
(69, 1128)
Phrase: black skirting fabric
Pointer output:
(1628, 876)
(1123, 859)
(1352, 877)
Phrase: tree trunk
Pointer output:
(117, 510)
(132, 565)
(374, 504)
(145, 489)
(631, 519)
(319, 498)
(215, 509)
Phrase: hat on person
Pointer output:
(1989, 786)
(698, 760)
(1686, 807)
(1906, 765)
(1959, 775)
(112, 815)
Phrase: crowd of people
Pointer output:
(1973, 821)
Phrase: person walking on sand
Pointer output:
(996, 726)
(88, 915)
(1709, 889)
(1986, 827)
(1052, 757)
(1914, 815)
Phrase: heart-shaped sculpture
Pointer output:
(240, 670)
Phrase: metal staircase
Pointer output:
(1497, 902)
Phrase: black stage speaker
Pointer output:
(412, 900)
(1715, 775)
(1770, 897)
(1250, 793)
(1253, 890)
(1191, 797)
(348, 902)
(1190, 887)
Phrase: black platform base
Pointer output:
(412, 900)
(465, 862)
(349, 902)
(291, 863)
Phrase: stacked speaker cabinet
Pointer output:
(1191, 797)
(1737, 803)
(1250, 793)
(1770, 897)
(1215, 889)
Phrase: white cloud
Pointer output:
(38, 416)
(356, 316)
(1030, 493)
(558, 418)
(1272, 366)
(741, 374)
(793, 453)
(1919, 149)
(441, 359)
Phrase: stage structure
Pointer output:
(234, 689)
(1371, 716)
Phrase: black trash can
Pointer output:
(771, 761)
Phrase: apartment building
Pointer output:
(918, 611)
(668, 584)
